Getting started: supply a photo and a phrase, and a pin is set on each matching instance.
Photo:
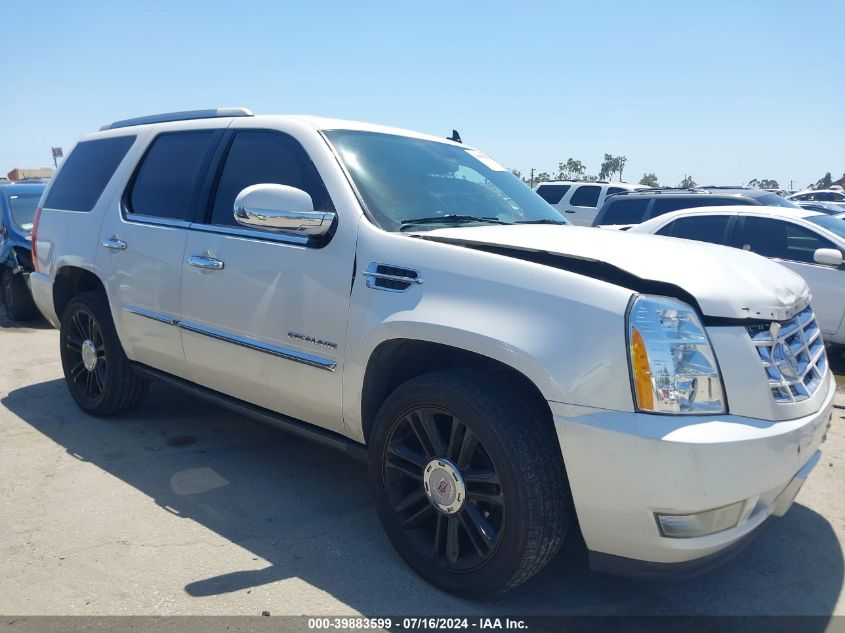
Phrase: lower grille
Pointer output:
(793, 356)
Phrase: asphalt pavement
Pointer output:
(182, 508)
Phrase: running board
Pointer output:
(290, 425)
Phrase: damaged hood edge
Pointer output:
(725, 284)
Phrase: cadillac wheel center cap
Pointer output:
(444, 486)
(89, 354)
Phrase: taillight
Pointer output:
(34, 242)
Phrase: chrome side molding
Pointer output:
(329, 364)
(155, 316)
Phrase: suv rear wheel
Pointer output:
(97, 372)
(469, 485)
(16, 297)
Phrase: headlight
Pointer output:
(673, 366)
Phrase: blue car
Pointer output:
(17, 210)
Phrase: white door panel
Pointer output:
(143, 281)
(241, 324)
(828, 287)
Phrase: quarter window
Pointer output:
(707, 228)
(585, 196)
(86, 172)
(625, 212)
(257, 157)
(783, 240)
(167, 182)
(552, 193)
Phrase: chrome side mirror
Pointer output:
(281, 209)
(828, 257)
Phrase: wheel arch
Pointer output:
(71, 281)
(398, 360)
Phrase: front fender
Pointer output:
(565, 332)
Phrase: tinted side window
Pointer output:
(625, 212)
(86, 172)
(709, 228)
(611, 190)
(784, 240)
(665, 205)
(585, 196)
(168, 179)
(718, 202)
(552, 193)
(265, 157)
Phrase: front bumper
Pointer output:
(624, 468)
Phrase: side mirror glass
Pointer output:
(828, 257)
(281, 209)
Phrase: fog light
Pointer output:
(701, 523)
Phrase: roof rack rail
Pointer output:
(185, 115)
(662, 190)
(723, 187)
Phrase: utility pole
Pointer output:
(532, 178)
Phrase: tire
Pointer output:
(17, 298)
(101, 381)
(502, 513)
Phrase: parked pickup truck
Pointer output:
(405, 299)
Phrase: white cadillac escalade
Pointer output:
(407, 300)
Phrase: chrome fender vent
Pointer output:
(391, 278)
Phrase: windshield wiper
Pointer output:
(451, 218)
(543, 221)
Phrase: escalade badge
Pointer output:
(311, 339)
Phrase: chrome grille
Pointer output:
(793, 356)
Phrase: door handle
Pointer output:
(114, 244)
(568, 211)
(209, 263)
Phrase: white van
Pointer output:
(580, 200)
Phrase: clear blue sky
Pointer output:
(724, 91)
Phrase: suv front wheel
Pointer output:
(469, 485)
(97, 372)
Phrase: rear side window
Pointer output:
(625, 212)
(585, 196)
(167, 182)
(665, 205)
(86, 172)
(781, 239)
(612, 190)
(552, 193)
(257, 157)
(708, 228)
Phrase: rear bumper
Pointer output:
(626, 468)
(42, 293)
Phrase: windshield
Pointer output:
(833, 223)
(774, 200)
(408, 183)
(23, 210)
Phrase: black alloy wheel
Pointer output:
(100, 378)
(445, 489)
(469, 481)
(87, 356)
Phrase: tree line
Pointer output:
(574, 169)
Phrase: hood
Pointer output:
(726, 283)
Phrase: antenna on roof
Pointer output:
(455, 137)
